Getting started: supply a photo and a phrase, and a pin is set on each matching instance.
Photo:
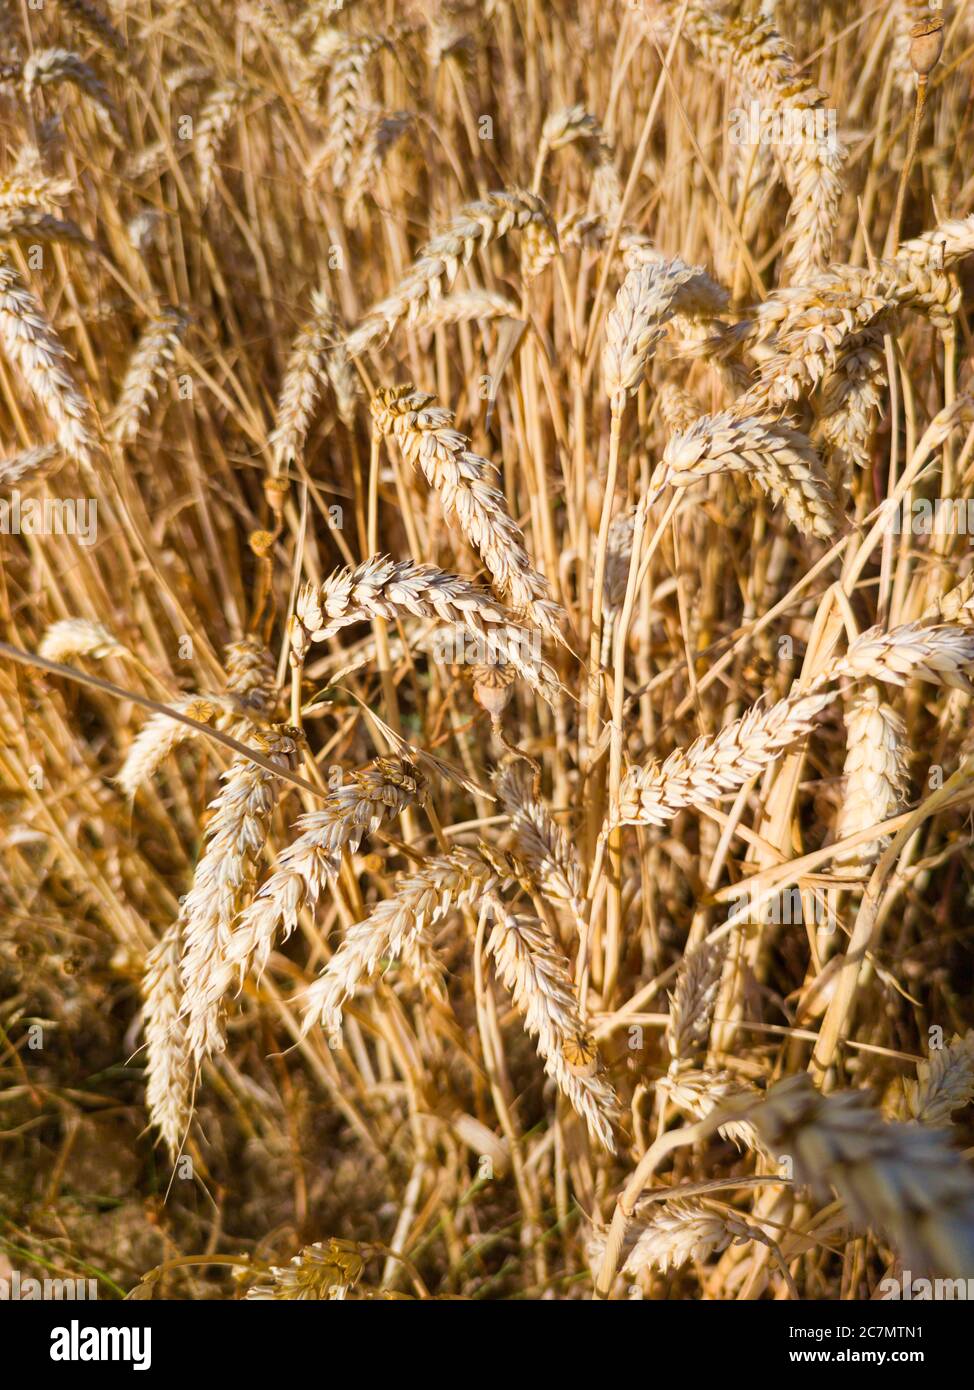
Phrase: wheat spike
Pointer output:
(439, 261)
(224, 881)
(702, 773)
(383, 588)
(875, 772)
(154, 352)
(420, 899)
(169, 1074)
(537, 975)
(464, 482)
(945, 1082)
(903, 1179)
(70, 637)
(38, 354)
(781, 461)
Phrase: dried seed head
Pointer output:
(926, 46)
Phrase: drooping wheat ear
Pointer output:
(79, 637)
(693, 1001)
(326, 1270)
(220, 109)
(316, 352)
(30, 186)
(876, 774)
(440, 260)
(268, 19)
(347, 104)
(30, 465)
(940, 653)
(464, 306)
(382, 132)
(357, 808)
(711, 766)
(697, 1093)
(902, 1179)
(149, 364)
(667, 1235)
(419, 900)
(38, 354)
(540, 841)
(464, 482)
(648, 298)
(384, 588)
(538, 976)
(94, 25)
(169, 1074)
(160, 736)
(944, 1083)
(749, 47)
(780, 460)
(251, 675)
(851, 400)
(34, 224)
(224, 880)
(50, 66)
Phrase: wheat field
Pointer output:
(487, 601)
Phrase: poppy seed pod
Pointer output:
(926, 45)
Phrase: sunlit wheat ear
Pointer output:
(851, 400)
(169, 1073)
(418, 901)
(904, 1180)
(224, 880)
(693, 1001)
(150, 363)
(71, 637)
(440, 260)
(649, 297)
(781, 461)
(943, 654)
(35, 350)
(326, 1270)
(464, 482)
(49, 66)
(540, 842)
(357, 808)
(538, 977)
(668, 1235)
(751, 48)
(876, 775)
(221, 108)
(945, 1082)
(466, 306)
(347, 105)
(160, 736)
(31, 465)
(316, 355)
(711, 766)
(383, 588)
(697, 1093)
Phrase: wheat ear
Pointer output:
(714, 765)
(384, 588)
(464, 482)
(169, 1074)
